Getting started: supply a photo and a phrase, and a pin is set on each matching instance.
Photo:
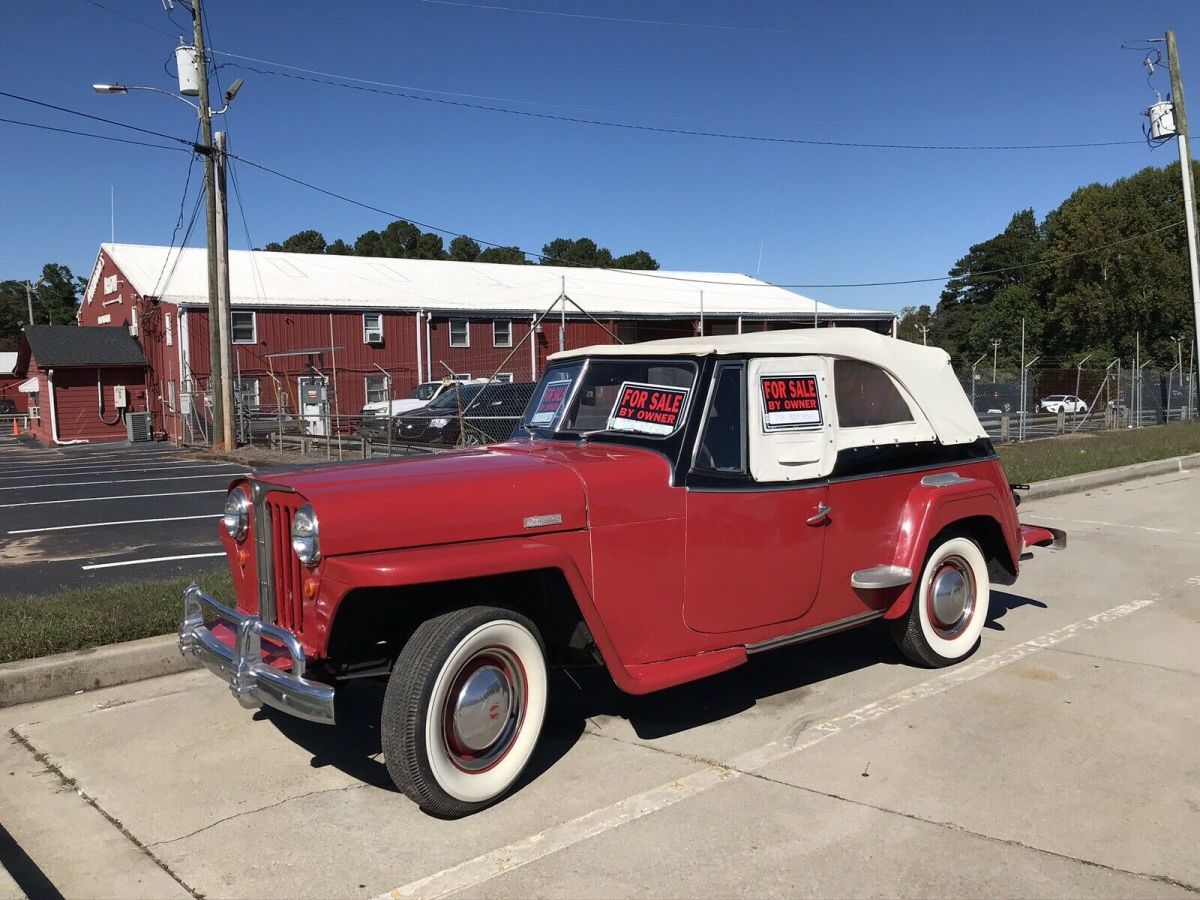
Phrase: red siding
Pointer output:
(8, 388)
(76, 403)
(116, 305)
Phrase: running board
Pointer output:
(878, 578)
(813, 633)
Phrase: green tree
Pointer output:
(428, 246)
(908, 326)
(339, 248)
(579, 252)
(509, 255)
(12, 313)
(309, 241)
(369, 243)
(463, 249)
(274, 247)
(638, 259)
(399, 239)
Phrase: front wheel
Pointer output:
(464, 708)
(949, 605)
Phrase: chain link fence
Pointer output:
(1015, 404)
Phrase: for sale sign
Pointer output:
(647, 408)
(549, 403)
(790, 402)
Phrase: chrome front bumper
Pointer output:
(252, 679)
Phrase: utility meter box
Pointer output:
(313, 391)
(120, 397)
(1162, 120)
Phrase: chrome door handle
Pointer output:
(821, 516)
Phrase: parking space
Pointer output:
(1059, 761)
(97, 513)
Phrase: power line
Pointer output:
(187, 183)
(127, 17)
(75, 112)
(662, 129)
(92, 134)
(569, 15)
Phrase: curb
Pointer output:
(1071, 484)
(28, 680)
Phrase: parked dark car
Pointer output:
(469, 415)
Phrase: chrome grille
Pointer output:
(288, 570)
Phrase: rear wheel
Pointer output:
(949, 605)
(464, 708)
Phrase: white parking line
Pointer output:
(142, 562)
(28, 487)
(122, 497)
(474, 872)
(1115, 525)
(121, 471)
(106, 524)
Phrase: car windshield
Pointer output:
(643, 397)
(451, 397)
(425, 391)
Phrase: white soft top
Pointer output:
(924, 372)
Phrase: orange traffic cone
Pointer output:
(16, 430)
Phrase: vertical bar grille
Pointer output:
(288, 570)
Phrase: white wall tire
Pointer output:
(464, 708)
(949, 605)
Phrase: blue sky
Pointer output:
(876, 72)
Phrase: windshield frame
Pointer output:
(554, 430)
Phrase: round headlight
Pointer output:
(237, 514)
(305, 541)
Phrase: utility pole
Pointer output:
(995, 350)
(924, 335)
(29, 300)
(223, 316)
(218, 376)
(1185, 166)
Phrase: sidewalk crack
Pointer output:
(71, 784)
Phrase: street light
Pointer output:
(126, 88)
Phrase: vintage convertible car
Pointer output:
(666, 508)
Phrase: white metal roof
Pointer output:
(8, 362)
(925, 372)
(264, 279)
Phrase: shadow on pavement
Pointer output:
(1002, 602)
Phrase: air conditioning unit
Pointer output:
(137, 427)
(374, 337)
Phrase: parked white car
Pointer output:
(1063, 402)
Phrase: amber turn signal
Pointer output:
(242, 558)
(310, 589)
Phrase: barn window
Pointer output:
(865, 395)
(168, 329)
(460, 333)
(502, 334)
(377, 389)
(372, 328)
(245, 326)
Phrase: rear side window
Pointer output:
(865, 395)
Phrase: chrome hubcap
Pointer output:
(951, 597)
(484, 709)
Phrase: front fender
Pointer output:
(425, 565)
(929, 510)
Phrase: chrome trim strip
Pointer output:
(878, 578)
(250, 679)
(944, 479)
(810, 634)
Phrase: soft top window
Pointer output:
(865, 395)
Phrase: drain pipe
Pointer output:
(100, 404)
(54, 414)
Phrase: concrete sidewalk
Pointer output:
(1060, 761)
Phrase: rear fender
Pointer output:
(426, 565)
(930, 510)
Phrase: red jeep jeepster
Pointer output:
(668, 508)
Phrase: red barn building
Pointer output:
(365, 324)
(87, 380)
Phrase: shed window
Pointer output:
(502, 334)
(460, 333)
(377, 389)
(171, 395)
(245, 326)
(866, 396)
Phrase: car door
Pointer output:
(755, 522)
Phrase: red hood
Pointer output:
(439, 499)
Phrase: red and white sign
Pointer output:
(790, 402)
(550, 402)
(647, 408)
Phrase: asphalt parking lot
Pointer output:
(96, 513)
(1060, 761)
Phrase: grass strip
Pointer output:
(1077, 453)
(80, 618)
